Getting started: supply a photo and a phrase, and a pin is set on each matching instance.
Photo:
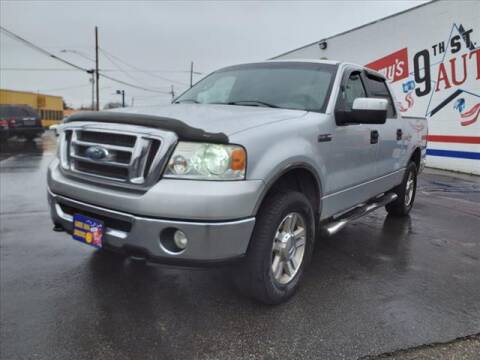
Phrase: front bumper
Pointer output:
(209, 242)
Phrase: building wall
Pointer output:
(49, 107)
(431, 55)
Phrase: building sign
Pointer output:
(457, 60)
(393, 66)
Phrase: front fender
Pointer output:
(283, 149)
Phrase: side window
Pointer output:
(377, 88)
(353, 89)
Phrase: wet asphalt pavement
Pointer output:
(380, 285)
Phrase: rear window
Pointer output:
(29, 111)
(377, 88)
(16, 111)
(6, 111)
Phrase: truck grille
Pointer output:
(114, 153)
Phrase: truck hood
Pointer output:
(227, 119)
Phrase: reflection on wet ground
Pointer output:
(379, 285)
(17, 146)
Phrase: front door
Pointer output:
(351, 161)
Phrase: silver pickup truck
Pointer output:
(248, 166)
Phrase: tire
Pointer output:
(273, 245)
(406, 193)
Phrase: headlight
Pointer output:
(202, 161)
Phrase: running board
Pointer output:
(337, 224)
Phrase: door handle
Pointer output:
(374, 137)
(399, 134)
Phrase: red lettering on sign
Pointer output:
(442, 76)
(454, 70)
(394, 66)
(477, 54)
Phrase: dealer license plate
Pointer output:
(88, 230)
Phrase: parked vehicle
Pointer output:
(249, 165)
(19, 120)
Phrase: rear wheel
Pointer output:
(406, 193)
(280, 248)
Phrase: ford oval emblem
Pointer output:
(96, 153)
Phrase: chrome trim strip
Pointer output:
(100, 162)
(116, 233)
(109, 231)
(106, 146)
(62, 214)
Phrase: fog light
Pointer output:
(180, 239)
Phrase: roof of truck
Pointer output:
(319, 61)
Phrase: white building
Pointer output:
(431, 55)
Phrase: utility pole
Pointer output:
(172, 92)
(92, 81)
(97, 75)
(191, 74)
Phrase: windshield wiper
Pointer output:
(250, 103)
(186, 100)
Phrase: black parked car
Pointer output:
(19, 120)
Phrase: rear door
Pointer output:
(391, 134)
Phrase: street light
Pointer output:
(122, 92)
(79, 53)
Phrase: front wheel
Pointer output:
(406, 193)
(280, 248)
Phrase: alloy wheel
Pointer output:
(288, 248)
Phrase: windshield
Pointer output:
(287, 85)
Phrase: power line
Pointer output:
(77, 67)
(39, 49)
(133, 85)
(72, 87)
(138, 69)
(36, 69)
(79, 53)
(104, 70)
(49, 54)
(111, 58)
(119, 68)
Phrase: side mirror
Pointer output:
(365, 111)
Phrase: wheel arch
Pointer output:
(416, 157)
(298, 176)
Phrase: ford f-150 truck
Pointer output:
(249, 166)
